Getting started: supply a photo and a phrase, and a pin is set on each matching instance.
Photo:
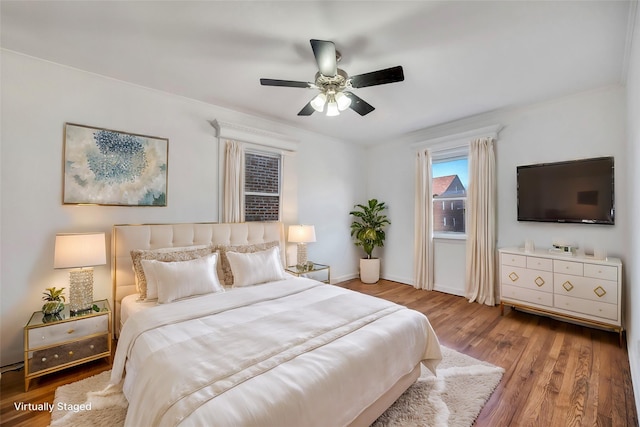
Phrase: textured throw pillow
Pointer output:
(183, 279)
(224, 269)
(257, 267)
(164, 255)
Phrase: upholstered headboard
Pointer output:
(126, 238)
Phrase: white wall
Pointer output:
(583, 125)
(633, 160)
(38, 97)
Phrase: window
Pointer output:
(262, 186)
(449, 188)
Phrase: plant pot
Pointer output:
(370, 270)
(52, 307)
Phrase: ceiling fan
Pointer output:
(335, 85)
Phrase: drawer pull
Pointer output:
(70, 331)
(513, 276)
(567, 286)
(91, 346)
(55, 356)
(539, 281)
(44, 359)
(600, 291)
(71, 353)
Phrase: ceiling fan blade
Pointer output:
(286, 83)
(359, 105)
(325, 53)
(307, 110)
(380, 77)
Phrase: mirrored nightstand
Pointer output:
(311, 270)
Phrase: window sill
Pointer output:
(449, 236)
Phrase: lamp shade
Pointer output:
(302, 233)
(80, 250)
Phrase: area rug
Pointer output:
(452, 399)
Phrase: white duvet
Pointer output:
(289, 353)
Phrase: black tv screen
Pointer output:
(572, 191)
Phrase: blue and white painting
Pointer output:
(107, 167)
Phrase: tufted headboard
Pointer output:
(125, 238)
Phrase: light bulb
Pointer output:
(318, 102)
(332, 109)
(343, 101)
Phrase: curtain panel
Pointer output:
(423, 244)
(233, 208)
(481, 223)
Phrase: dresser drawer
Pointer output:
(514, 260)
(568, 267)
(535, 263)
(52, 357)
(524, 278)
(606, 272)
(526, 295)
(48, 335)
(586, 288)
(591, 308)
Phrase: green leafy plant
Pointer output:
(53, 294)
(368, 227)
(53, 298)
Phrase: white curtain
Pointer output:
(423, 251)
(233, 208)
(481, 223)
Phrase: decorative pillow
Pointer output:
(182, 279)
(257, 267)
(165, 255)
(224, 269)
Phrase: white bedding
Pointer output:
(288, 353)
(132, 304)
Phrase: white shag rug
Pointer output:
(452, 399)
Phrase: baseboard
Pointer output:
(344, 278)
(634, 355)
(448, 290)
(399, 279)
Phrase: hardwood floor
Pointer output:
(557, 374)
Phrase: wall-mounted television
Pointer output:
(573, 191)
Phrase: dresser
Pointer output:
(575, 288)
(56, 342)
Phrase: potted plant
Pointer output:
(54, 298)
(368, 231)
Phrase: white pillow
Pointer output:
(254, 268)
(182, 279)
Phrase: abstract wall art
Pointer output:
(107, 167)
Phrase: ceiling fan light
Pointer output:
(343, 101)
(318, 102)
(332, 109)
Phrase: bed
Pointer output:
(271, 350)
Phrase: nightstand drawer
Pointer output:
(57, 333)
(52, 357)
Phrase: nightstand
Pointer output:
(309, 270)
(56, 342)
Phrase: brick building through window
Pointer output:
(449, 198)
(261, 186)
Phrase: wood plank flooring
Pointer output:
(557, 374)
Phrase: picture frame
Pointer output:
(114, 168)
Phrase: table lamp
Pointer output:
(302, 234)
(81, 252)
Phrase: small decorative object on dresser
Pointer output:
(55, 342)
(579, 288)
(54, 301)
